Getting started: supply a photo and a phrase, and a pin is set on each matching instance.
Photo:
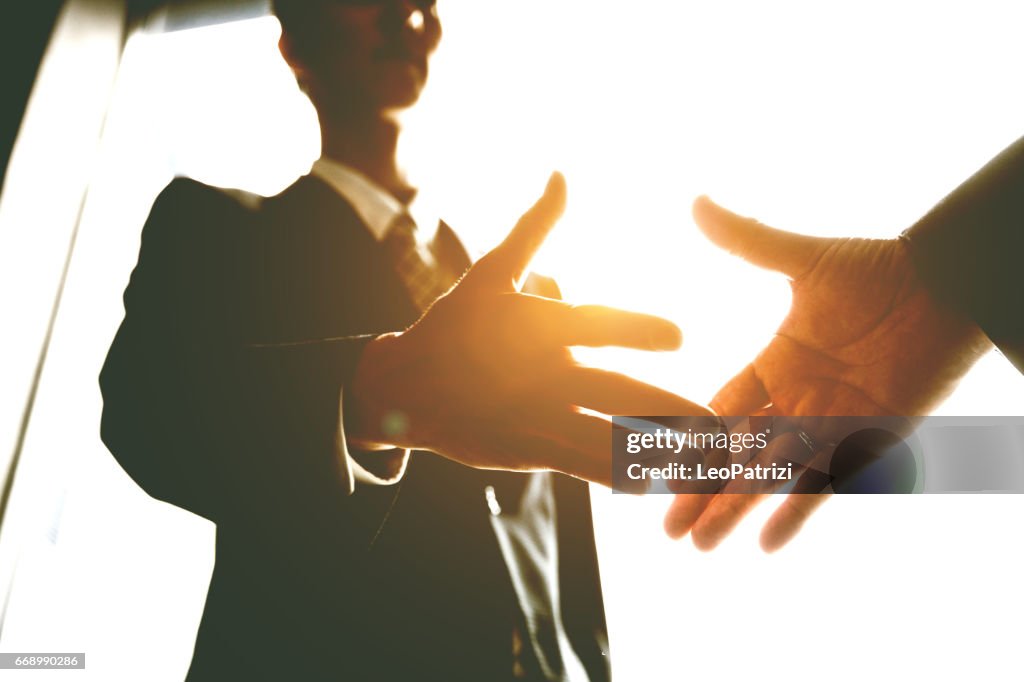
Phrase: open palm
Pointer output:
(863, 337)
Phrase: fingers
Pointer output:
(576, 444)
(743, 395)
(555, 456)
(738, 498)
(616, 394)
(591, 439)
(508, 261)
(683, 512)
(556, 323)
(786, 252)
(805, 498)
(723, 514)
(740, 495)
(788, 519)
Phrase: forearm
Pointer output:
(968, 248)
(226, 432)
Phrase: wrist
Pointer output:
(371, 397)
(963, 330)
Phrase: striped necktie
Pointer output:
(415, 264)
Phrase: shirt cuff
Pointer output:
(377, 467)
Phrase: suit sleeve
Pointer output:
(197, 414)
(968, 249)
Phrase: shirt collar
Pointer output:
(375, 206)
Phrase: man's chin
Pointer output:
(401, 88)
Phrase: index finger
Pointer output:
(789, 518)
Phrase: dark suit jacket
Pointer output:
(969, 249)
(221, 395)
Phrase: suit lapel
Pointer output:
(337, 276)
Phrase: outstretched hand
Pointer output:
(485, 377)
(863, 337)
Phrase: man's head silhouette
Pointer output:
(357, 57)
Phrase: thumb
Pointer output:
(508, 261)
(766, 247)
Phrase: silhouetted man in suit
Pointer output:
(266, 377)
